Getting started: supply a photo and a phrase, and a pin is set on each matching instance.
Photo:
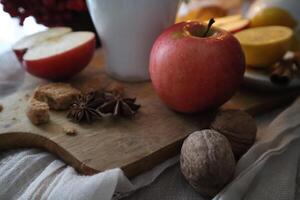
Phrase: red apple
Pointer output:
(27, 42)
(192, 71)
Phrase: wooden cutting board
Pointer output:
(135, 145)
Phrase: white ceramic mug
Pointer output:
(128, 29)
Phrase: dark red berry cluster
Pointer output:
(47, 12)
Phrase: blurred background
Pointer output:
(24, 17)
(11, 30)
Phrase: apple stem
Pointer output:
(210, 23)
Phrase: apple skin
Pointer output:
(192, 74)
(64, 65)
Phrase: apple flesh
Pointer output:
(236, 26)
(60, 57)
(24, 44)
(233, 23)
(193, 73)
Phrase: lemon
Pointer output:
(263, 46)
(273, 16)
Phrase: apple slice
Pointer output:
(225, 20)
(60, 57)
(236, 26)
(27, 42)
(233, 23)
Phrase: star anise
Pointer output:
(85, 107)
(117, 105)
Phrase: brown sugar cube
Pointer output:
(38, 112)
(59, 96)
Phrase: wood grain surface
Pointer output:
(135, 145)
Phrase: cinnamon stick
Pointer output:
(282, 72)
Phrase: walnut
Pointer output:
(59, 96)
(38, 112)
(238, 127)
(207, 161)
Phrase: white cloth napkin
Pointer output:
(34, 174)
(269, 170)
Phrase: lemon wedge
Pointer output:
(273, 16)
(263, 46)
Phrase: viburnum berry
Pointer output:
(47, 12)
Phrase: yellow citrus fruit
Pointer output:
(273, 16)
(263, 46)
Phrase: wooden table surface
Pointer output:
(135, 146)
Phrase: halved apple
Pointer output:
(25, 43)
(60, 57)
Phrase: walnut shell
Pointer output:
(207, 161)
(238, 127)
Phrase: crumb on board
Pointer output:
(68, 130)
(14, 119)
(1, 107)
